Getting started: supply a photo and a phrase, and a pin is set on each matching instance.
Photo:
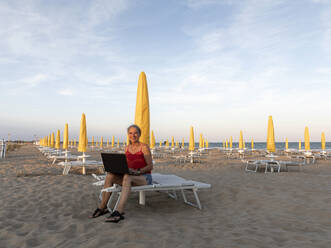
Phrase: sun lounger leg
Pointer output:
(195, 192)
(118, 200)
(172, 194)
(54, 161)
(142, 198)
(110, 202)
(66, 169)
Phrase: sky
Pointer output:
(220, 66)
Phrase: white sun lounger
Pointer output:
(273, 165)
(86, 163)
(63, 157)
(161, 182)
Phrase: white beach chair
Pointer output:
(86, 163)
(65, 157)
(169, 184)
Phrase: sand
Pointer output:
(41, 208)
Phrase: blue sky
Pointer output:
(219, 65)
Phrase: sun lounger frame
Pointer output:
(170, 189)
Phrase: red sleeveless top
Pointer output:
(136, 160)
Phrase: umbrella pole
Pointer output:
(83, 170)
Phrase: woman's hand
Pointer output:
(134, 172)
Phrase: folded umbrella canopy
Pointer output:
(57, 141)
(307, 139)
(82, 144)
(101, 143)
(191, 142)
(323, 141)
(112, 142)
(152, 140)
(142, 109)
(200, 141)
(271, 147)
(241, 141)
(65, 137)
(52, 140)
(286, 144)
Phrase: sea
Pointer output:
(279, 145)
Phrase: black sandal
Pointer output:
(99, 212)
(115, 217)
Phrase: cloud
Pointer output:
(65, 92)
(34, 80)
(202, 3)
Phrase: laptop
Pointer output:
(115, 163)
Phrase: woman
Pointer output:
(140, 164)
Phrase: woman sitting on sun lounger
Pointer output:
(140, 164)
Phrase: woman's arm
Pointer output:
(148, 158)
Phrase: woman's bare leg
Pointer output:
(126, 189)
(109, 181)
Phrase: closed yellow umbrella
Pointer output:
(172, 142)
(101, 142)
(286, 144)
(200, 141)
(75, 141)
(252, 144)
(191, 145)
(323, 141)
(207, 144)
(142, 108)
(107, 142)
(57, 141)
(177, 144)
(299, 144)
(52, 140)
(223, 144)
(65, 137)
(241, 140)
(183, 143)
(167, 143)
(127, 140)
(226, 144)
(271, 147)
(49, 141)
(160, 143)
(231, 142)
(307, 141)
(118, 142)
(112, 142)
(82, 144)
(92, 142)
(152, 140)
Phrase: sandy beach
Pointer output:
(42, 208)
